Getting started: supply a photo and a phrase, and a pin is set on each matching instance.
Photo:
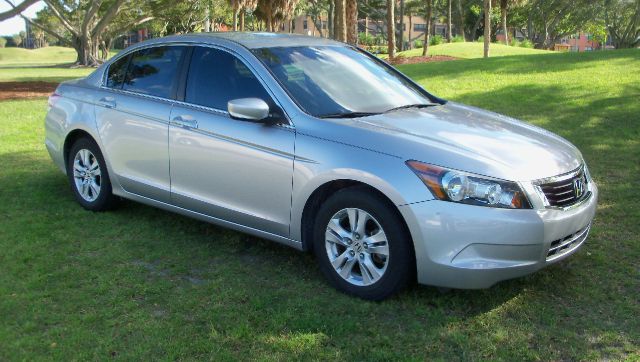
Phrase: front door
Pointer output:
(230, 169)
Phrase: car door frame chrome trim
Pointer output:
(183, 77)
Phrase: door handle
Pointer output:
(108, 102)
(184, 121)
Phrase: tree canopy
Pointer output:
(91, 26)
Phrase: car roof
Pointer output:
(253, 40)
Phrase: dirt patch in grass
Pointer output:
(420, 59)
(22, 90)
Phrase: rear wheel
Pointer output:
(89, 177)
(361, 245)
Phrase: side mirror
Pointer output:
(249, 109)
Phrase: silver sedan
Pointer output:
(322, 147)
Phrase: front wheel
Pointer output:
(89, 177)
(361, 245)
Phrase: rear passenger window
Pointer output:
(216, 77)
(154, 71)
(117, 70)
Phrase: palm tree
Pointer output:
(352, 21)
(460, 20)
(391, 29)
(340, 21)
(248, 5)
(487, 27)
(449, 21)
(274, 12)
(236, 5)
(427, 30)
(503, 20)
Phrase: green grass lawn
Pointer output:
(46, 55)
(48, 64)
(140, 283)
(470, 50)
(41, 73)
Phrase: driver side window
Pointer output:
(215, 77)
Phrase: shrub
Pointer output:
(3, 42)
(378, 49)
(418, 43)
(436, 39)
(457, 39)
(480, 39)
(514, 42)
(366, 39)
(526, 43)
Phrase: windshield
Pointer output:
(328, 81)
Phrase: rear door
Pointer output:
(233, 170)
(132, 116)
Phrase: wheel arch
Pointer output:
(328, 189)
(71, 138)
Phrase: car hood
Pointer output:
(469, 139)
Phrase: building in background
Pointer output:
(414, 28)
(581, 42)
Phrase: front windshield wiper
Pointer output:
(419, 105)
(348, 115)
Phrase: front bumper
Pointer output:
(471, 247)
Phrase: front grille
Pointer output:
(565, 190)
(563, 246)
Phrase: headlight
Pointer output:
(457, 186)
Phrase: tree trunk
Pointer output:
(236, 10)
(340, 26)
(331, 19)
(449, 25)
(503, 20)
(207, 19)
(409, 31)
(460, 24)
(87, 51)
(401, 42)
(366, 26)
(530, 25)
(427, 30)
(366, 21)
(242, 12)
(352, 21)
(487, 27)
(391, 29)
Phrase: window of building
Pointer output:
(305, 25)
(216, 77)
(419, 27)
(153, 71)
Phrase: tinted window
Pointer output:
(115, 76)
(153, 71)
(334, 80)
(216, 77)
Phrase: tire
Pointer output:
(89, 182)
(384, 261)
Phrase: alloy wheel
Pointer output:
(87, 175)
(357, 246)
